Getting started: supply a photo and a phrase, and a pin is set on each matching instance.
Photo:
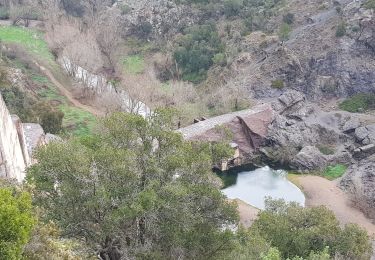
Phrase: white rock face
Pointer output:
(12, 161)
(100, 85)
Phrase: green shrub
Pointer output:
(232, 7)
(134, 64)
(278, 83)
(284, 31)
(196, 51)
(219, 59)
(4, 13)
(288, 18)
(125, 9)
(326, 150)
(369, 4)
(334, 172)
(358, 103)
(16, 223)
(341, 30)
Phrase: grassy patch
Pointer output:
(358, 103)
(77, 121)
(278, 83)
(293, 178)
(325, 149)
(32, 40)
(134, 64)
(334, 172)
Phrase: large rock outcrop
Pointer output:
(359, 182)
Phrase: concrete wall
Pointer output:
(12, 161)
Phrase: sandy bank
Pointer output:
(320, 191)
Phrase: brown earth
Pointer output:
(64, 91)
(320, 191)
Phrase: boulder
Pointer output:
(365, 134)
(351, 125)
(309, 158)
(359, 182)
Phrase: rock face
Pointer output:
(18, 141)
(12, 160)
(365, 134)
(360, 183)
(313, 60)
(309, 158)
(307, 138)
(164, 17)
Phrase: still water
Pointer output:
(253, 185)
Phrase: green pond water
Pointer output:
(253, 185)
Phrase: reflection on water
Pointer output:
(252, 186)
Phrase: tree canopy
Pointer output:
(135, 189)
(16, 222)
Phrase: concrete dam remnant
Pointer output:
(17, 143)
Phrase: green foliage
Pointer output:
(272, 254)
(219, 59)
(325, 149)
(248, 245)
(284, 31)
(136, 189)
(4, 13)
(134, 64)
(278, 83)
(125, 9)
(288, 18)
(30, 39)
(369, 4)
(334, 172)
(305, 233)
(77, 121)
(232, 7)
(46, 243)
(353, 243)
(341, 29)
(51, 121)
(358, 103)
(196, 51)
(16, 222)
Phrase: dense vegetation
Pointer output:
(298, 232)
(16, 222)
(136, 189)
(198, 49)
(358, 103)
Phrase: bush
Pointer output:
(288, 18)
(4, 13)
(219, 59)
(125, 9)
(369, 4)
(196, 51)
(284, 31)
(326, 150)
(341, 30)
(16, 222)
(232, 7)
(278, 83)
(358, 103)
(298, 232)
(334, 172)
(51, 121)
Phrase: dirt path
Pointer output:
(320, 191)
(247, 213)
(64, 91)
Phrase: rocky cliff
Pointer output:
(12, 159)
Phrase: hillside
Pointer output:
(123, 121)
